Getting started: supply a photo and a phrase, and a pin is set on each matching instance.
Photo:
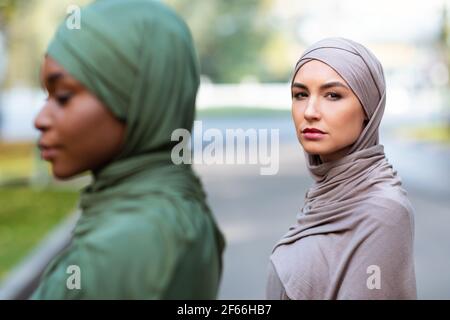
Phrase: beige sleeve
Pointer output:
(274, 288)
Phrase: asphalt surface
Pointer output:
(254, 211)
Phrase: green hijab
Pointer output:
(145, 230)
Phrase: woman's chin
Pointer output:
(64, 173)
(310, 148)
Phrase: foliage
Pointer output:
(26, 216)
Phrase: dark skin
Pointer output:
(78, 132)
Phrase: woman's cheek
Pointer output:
(297, 114)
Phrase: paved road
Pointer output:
(254, 211)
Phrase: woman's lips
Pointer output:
(48, 154)
(313, 135)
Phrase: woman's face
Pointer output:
(78, 133)
(322, 100)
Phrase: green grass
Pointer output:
(16, 160)
(26, 216)
(432, 133)
(240, 112)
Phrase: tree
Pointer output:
(444, 45)
(7, 10)
(231, 37)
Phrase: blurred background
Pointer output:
(247, 50)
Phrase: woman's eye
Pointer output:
(333, 95)
(300, 95)
(63, 98)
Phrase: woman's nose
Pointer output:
(43, 120)
(311, 110)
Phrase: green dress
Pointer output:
(146, 231)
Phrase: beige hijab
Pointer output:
(354, 235)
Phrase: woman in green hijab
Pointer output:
(117, 89)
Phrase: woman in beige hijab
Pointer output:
(353, 238)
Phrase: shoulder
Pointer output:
(133, 261)
(389, 210)
(152, 220)
(274, 287)
(386, 223)
(130, 252)
(152, 231)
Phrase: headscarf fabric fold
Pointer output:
(356, 216)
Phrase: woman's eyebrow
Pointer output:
(322, 87)
(53, 77)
